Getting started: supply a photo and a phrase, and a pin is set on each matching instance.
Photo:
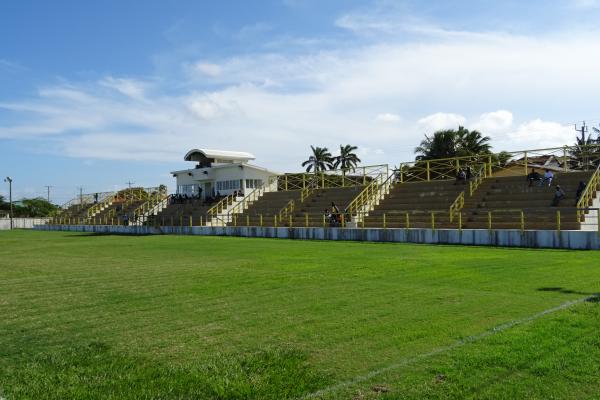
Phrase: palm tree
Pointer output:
(320, 160)
(586, 152)
(347, 160)
(453, 143)
(469, 143)
(440, 145)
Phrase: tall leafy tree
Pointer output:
(320, 160)
(37, 207)
(469, 143)
(347, 160)
(586, 151)
(453, 143)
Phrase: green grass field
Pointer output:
(179, 317)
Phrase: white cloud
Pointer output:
(494, 122)
(207, 68)
(439, 121)
(278, 104)
(388, 118)
(585, 3)
(129, 87)
(540, 134)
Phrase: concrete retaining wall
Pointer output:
(22, 223)
(508, 238)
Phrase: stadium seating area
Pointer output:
(180, 213)
(418, 199)
(504, 196)
(268, 206)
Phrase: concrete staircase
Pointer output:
(311, 212)
(503, 194)
(267, 207)
(418, 199)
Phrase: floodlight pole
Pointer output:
(9, 180)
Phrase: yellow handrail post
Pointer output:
(407, 222)
(322, 179)
(201, 220)
(490, 221)
(286, 182)
(261, 220)
(324, 224)
(428, 174)
(363, 222)
(191, 221)
(343, 220)
(433, 221)
(489, 166)
(275, 221)
(247, 220)
(565, 159)
(290, 220)
(343, 178)
(457, 165)
(306, 220)
(235, 220)
(558, 221)
(364, 176)
(460, 221)
(303, 181)
(525, 158)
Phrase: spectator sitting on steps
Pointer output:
(533, 177)
(558, 196)
(461, 177)
(548, 177)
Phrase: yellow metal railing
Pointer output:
(331, 179)
(587, 197)
(457, 205)
(370, 195)
(287, 210)
(143, 210)
(221, 205)
(482, 173)
(96, 208)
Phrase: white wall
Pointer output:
(22, 223)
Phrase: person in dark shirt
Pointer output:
(559, 194)
(580, 190)
(533, 177)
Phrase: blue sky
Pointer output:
(95, 94)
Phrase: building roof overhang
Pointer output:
(202, 154)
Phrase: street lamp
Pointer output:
(9, 180)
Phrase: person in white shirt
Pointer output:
(548, 177)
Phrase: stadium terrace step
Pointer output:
(180, 213)
(266, 208)
(502, 194)
(414, 197)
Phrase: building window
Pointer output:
(253, 183)
(228, 185)
(187, 189)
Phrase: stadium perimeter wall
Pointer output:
(580, 240)
(22, 223)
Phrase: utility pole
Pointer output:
(48, 187)
(9, 180)
(80, 196)
(583, 130)
(130, 183)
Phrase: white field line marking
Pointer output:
(443, 349)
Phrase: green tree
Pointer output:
(453, 143)
(586, 152)
(320, 160)
(347, 160)
(37, 207)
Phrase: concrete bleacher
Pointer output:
(267, 206)
(418, 199)
(505, 196)
(312, 210)
(116, 211)
(176, 213)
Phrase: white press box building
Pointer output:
(219, 172)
